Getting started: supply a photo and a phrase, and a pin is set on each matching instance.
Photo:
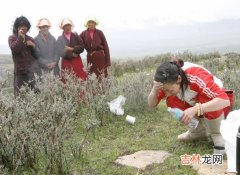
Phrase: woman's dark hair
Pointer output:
(168, 73)
(22, 20)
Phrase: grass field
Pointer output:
(154, 129)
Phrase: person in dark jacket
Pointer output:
(23, 54)
(70, 45)
(98, 55)
(46, 47)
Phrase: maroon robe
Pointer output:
(25, 62)
(72, 61)
(98, 55)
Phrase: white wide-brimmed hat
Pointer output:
(43, 22)
(91, 19)
(66, 21)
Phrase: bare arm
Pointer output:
(213, 105)
(153, 96)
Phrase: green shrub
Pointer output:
(37, 126)
(136, 88)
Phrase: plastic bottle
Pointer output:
(238, 152)
(177, 113)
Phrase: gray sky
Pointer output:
(116, 16)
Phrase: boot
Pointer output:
(194, 134)
(213, 127)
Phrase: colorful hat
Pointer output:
(91, 19)
(65, 21)
(43, 22)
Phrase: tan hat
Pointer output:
(43, 22)
(65, 21)
(91, 19)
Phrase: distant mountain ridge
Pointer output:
(222, 36)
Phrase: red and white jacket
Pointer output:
(203, 87)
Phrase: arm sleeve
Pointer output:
(106, 50)
(15, 43)
(203, 83)
(80, 47)
(32, 49)
(161, 96)
(60, 47)
(56, 53)
(38, 52)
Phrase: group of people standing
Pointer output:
(42, 53)
(187, 86)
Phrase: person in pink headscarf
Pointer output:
(70, 45)
(98, 55)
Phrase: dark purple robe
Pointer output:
(25, 61)
(98, 55)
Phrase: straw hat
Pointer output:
(91, 19)
(65, 21)
(43, 22)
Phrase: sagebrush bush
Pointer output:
(3, 171)
(38, 130)
(36, 125)
(136, 88)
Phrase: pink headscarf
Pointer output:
(68, 35)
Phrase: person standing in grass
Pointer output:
(46, 47)
(23, 54)
(98, 55)
(197, 92)
(70, 45)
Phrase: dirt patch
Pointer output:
(141, 159)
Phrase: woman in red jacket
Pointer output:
(98, 56)
(197, 92)
(70, 45)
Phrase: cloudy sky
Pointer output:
(116, 16)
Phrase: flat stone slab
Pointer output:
(141, 159)
(203, 169)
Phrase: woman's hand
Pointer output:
(30, 43)
(188, 114)
(51, 65)
(68, 49)
(157, 86)
(21, 33)
(153, 96)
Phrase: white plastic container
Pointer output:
(130, 119)
(177, 113)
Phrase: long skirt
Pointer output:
(98, 63)
(74, 66)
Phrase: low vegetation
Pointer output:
(69, 129)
